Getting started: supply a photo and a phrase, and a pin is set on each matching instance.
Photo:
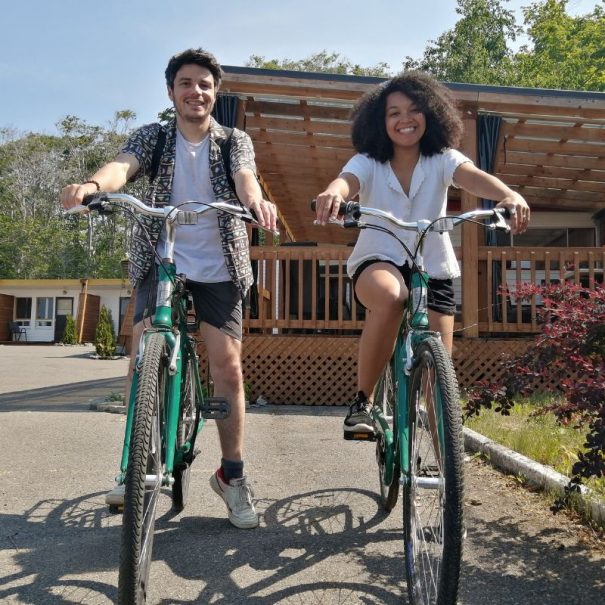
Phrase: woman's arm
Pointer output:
(487, 186)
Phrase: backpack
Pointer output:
(224, 144)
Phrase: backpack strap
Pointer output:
(225, 145)
(158, 150)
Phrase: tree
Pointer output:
(322, 61)
(105, 339)
(565, 52)
(69, 335)
(476, 49)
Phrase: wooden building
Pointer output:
(548, 145)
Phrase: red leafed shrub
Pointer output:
(572, 343)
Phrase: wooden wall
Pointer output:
(7, 305)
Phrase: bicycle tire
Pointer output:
(433, 491)
(144, 461)
(185, 429)
(385, 398)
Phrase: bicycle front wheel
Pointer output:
(185, 429)
(386, 457)
(433, 491)
(143, 475)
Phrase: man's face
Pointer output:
(193, 94)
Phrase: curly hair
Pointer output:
(197, 56)
(443, 122)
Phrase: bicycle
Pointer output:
(167, 408)
(418, 422)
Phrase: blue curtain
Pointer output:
(225, 109)
(488, 129)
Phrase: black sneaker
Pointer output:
(358, 423)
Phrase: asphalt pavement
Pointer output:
(323, 538)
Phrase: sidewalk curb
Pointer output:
(538, 475)
(102, 405)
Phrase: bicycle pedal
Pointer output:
(215, 408)
(359, 436)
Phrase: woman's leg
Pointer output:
(382, 291)
(444, 324)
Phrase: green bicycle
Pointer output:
(418, 423)
(166, 407)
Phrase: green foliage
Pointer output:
(105, 340)
(322, 61)
(563, 52)
(569, 356)
(476, 49)
(69, 335)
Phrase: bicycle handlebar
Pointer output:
(353, 211)
(102, 201)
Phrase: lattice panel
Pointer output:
(321, 370)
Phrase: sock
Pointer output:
(231, 469)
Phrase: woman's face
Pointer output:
(404, 122)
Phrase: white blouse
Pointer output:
(380, 188)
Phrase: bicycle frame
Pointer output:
(180, 348)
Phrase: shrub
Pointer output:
(69, 335)
(569, 355)
(105, 340)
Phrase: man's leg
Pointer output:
(229, 482)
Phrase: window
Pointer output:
(23, 311)
(124, 300)
(44, 311)
(558, 237)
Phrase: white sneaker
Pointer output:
(116, 496)
(237, 495)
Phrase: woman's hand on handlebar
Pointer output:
(519, 211)
(327, 206)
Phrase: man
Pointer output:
(214, 254)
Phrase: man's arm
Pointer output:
(110, 177)
(251, 196)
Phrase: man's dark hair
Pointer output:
(197, 56)
(443, 122)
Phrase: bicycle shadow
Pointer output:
(276, 562)
(68, 551)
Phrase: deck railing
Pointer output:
(305, 288)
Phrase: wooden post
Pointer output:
(470, 240)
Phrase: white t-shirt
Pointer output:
(380, 188)
(198, 250)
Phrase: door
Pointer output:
(64, 307)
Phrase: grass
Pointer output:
(540, 438)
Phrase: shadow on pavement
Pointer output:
(72, 397)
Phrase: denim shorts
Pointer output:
(440, 296)
(218, 304)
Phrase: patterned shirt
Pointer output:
(234, 237)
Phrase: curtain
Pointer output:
(488, 130)
(225, 109)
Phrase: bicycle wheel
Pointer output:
(185, 428)
(385, 399)
(143, 475)
(433, 491)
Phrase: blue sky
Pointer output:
(90, 58)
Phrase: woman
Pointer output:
(406, 132)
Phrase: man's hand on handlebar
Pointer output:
(265, 213)
(73, 195)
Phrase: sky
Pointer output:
(91, 58)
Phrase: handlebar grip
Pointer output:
(88, 199)
(345, 207)
(505, 212)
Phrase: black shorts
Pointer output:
(218, 304)
(440, 296)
